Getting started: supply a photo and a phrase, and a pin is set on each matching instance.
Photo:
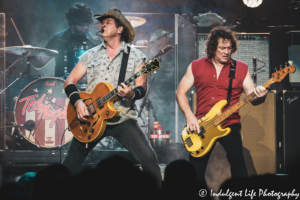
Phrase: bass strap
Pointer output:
(124, 66)
(231, 77)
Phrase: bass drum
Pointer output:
(41, 113)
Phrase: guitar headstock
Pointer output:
(151, 66)
(280, 74)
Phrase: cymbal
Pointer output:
(139, 47)
(136, 21)
(28, 50)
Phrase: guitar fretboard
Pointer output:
(114, 92)
(237, 106)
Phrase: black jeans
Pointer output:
(233, 146)
(130, 136)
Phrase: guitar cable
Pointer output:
(61, 145)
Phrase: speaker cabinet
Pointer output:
(291, 134)
(258, 135)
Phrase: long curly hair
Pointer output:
(78, 14)
(213, 39)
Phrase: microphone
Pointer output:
(163, 51)
(101, 30)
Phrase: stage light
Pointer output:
(252, 3)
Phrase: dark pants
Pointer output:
(233, 146)
(130, 136)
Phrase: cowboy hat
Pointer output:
(116, 14)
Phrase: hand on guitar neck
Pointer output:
(125, 91)
(261, 94)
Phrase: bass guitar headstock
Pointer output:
(280, 74)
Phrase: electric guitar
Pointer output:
(199, 144)
(100, 107)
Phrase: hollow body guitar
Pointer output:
(199, 144)
(100, 107)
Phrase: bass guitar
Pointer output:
(100, 107)
(199, 144)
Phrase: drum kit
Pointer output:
(39, 104)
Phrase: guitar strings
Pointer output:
(210, 125)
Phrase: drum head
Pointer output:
(40, 112)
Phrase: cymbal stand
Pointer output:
(21, 74)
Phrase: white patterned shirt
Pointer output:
(101, 69)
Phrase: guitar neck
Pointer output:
(114, 92)
(218, 120)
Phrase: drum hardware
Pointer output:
(25, 52)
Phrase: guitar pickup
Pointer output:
(202, 130)
(100, 103)
(189, 142)
(91, 109)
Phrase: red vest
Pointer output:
(210, 90)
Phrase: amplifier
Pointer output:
(250, 45)
(291, 136)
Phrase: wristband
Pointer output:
(139, 92)
(74, 98)
(70, 89)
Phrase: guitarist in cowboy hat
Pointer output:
(210, 75)
(102, 64)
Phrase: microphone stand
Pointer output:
(254, 71)
(146, 102)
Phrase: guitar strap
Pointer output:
(124, 65)
(231, 77)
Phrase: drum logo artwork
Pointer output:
(43, 111)
(45, 103)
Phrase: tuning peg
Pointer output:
(276, 69)
(290, 62)
(280, 66)
(285, 65)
